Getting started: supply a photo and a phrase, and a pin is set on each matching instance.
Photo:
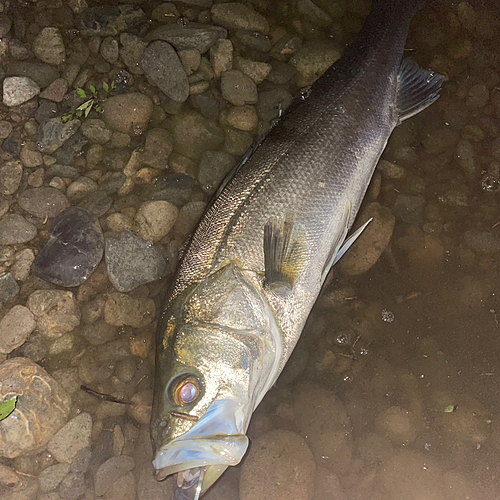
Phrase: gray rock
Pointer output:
(22, 266)
(81, 188)
(163, 66)
(256, 70)
(221, 56)
(46, 111)
(122, 489)
(5, 24)
(238, 16)
(285, 47)
(5, 129)
(214, 166)
(97, 202)
(441, 141)
(8, 287)
(41, 73)
(272, 103)
(128, 113)
(108, 20)
(254, 40)
(314, 13)
(280, 73)
(110, 471)
(98, 332)
(56, 312)
(154, 219)
(54, 133)
(238, 89)
(175, 188)
(207, 104)
(19, 89)
(157, 148)
(48, 46)
(132, 51)
(409, 209)
(125, 270)
(19, 50)
(43, 201)
(237, 141)
(56, 90)
(15, 229)
(190, 36)
(109, 50)
(74, 249)
(11, 173)
(189, 216)
(30, 156)
(122, 310)
(51, 477)
(15, 328)
(82, 460)
(95, 131)
(73, 437)
(72, 486)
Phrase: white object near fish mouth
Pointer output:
(216, 441)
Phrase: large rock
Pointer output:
(48, 46)
(43, 201)
(15, 229)
(41, 410)
(15, 328)
(19, 89)
(238, 88)
(373, 241)
(161, 63)
(128, 113)
(54, 133)
(72, 438)
(74, 249)
(279, 466)
(155, 219)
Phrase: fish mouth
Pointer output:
(214, 443)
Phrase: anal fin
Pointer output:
(283, 247)
(417, 88)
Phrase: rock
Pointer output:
(327, 486)
(43, 201)
(313, 59)
(188, 36)
(441, 141)
(466, 157)
(391, 170)
(132, 51)
(19, 89)
(190, 60)
(122, 310)
(48, 46)
(256, 70)
(19, 50)
(110, 471)
(30, 156)
(325, 425)
(243, 118)
(194, 134)
(128, 113)
(221, 56)
(41, 73)
(41, 409)
(158, 147)
(280, 73)
(56, 90)
(272, 103)
(279, 466)
(141, 406)
(285, 47)
(54, 133)
(482, 240)
(310, 10)
(110, 20)
(72, 438)
(148, 488)
(56, 312)
(237, 141)
(398, 424)
(5, 25)
(95, 131)
(15, 229)
(409, 209)
(15, 328)
(154, 219)
(238, 16)
(126, 272)
(74, 249)
(478, 96)
(81, 188)
(72, 486)
(8, 287)
(214, 166)
(371, 244)
(5, 129)
(162, 64)
(50, 477)
(22, 266)
(45, 111)
(11, 173)
(238, 88)
(109, 50)
(189, 216)
(98, 332)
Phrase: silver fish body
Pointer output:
(225, 325)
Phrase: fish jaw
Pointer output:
(215, 442)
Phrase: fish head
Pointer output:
(218, 353)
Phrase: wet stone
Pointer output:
(110, 471)
(280, 73)
(409, 209)
(19, 50)
(97, 203)
(238, 88)
(5, 129)
(441, 141)
(73, 437)
(132, 51)
(15, 229)
(272, 103)
(221, 56)
(163, 66)
(238, 16)
(254, 40)
(19, 89)
(126, 272)
(11, 173)
(99, 332)
(22, 266)
(154, 219)
(190, 60)
(51, 477)
(43, 201)
(56, 90)
(189, 216)
(9, 288)
(157, 148)
(174, 188)
(128, 113)
(189, 36)
(122, 310)
(41, 409)
(95, 131)
(122, 489)
(206, 104)
(15, 328)
(48, 46)
(30, 156)
(41, 73)
(256, 70)
(482, 241)
(72, 486)
(74, 249)
(56, 312)
(81, 188)
(5, 25)
(214, 166)
(81, 462)
(46, 111)
(54, 133)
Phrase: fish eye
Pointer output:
(184, 390)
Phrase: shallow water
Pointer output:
(393, 386)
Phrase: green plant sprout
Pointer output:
(7, 407)
(92, 102)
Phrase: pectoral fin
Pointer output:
(283, 247)
(342, 244)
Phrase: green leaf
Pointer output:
(66, 118)
(81, 93)
(449, 409)
(85, 105)
(98, 109)
(92, 89)
(7, 407)
(113, 85)
(87, 111)
(105, 86)
(79, 113)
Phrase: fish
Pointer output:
(256, 263)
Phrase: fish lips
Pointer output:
(216, 441)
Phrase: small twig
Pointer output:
(104, 397)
